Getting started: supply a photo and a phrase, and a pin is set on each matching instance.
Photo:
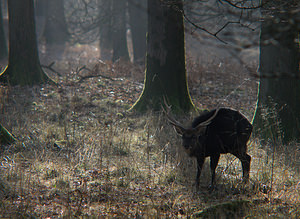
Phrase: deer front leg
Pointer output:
(214, 160)
(200, 161)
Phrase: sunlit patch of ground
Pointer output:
(81, 153)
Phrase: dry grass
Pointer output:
(79, 153)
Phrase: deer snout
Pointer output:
(187, 146)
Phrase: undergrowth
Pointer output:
(79, 152)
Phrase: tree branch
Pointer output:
(237, 5)
(203, 29)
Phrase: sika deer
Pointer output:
(216, 132)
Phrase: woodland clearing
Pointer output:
(80, 153)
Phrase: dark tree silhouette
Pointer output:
(277, 114)
(165, 60)
(55, 31)
(120, 49)
(105, 24)
(23, 61)
(138, 24)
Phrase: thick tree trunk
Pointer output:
(120, 50)
(23, 61)
(277, 115)
(138, 25)
(3, 46)
(165, 62)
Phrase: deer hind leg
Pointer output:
(245, 160)
(246, 167)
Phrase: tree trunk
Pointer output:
(277, 114)
(138, 25)
(23, 60)
(105, 21)
(120, 50)
(3, 46)
(56, 31)
(165, 60)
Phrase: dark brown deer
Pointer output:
(216, 132)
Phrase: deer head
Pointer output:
(192, 137)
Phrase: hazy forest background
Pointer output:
(81, 128)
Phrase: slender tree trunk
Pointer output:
(138, 25)
(105, 20)
(40, 7)
(120, 49)
(277, 114)
(165, 60)
(23, 61)
(56, 31)
(40, 17)
(3, 46)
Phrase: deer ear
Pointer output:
(178, 129)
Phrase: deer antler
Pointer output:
(169, 117)
(207, 122)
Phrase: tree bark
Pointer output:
(23, 61)
(165, 60)
(277, 114)
(138, 25)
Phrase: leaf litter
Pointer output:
(81, 153)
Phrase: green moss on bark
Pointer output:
(5, 136)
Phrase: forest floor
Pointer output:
(80, 153)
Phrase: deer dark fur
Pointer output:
(213, 133)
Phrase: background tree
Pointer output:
(165, 60)
(3, 46)
(104, 19)
(105, 24)
(56, 30)
(137, 10)
(120, 49)
(278, 108)
(23, 62)
(82, 19)
(40, 8)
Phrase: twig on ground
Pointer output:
(91, 75)
(50, 68)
